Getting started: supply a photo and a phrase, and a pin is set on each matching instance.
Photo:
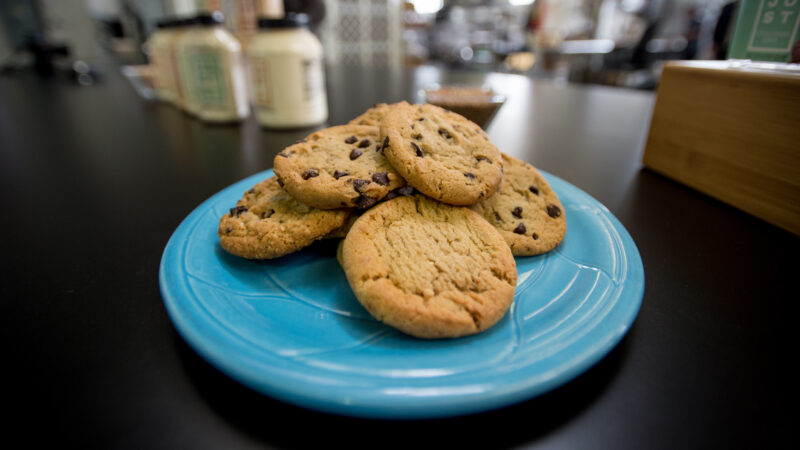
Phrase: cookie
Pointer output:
(267, 223)
(341, 232)
(525, 210)
(429, 269)
(371, 117)
(337, 167)
(440, 153)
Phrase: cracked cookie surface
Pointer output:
(429, 269)
(267, 223)
(337, 167)
(526, 210)
(440, 153)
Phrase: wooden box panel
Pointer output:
(733, 134)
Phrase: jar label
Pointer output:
(209, 81)
(313, 80)
(262, 86)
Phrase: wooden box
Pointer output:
(732, 133)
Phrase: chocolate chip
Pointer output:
(355, 154)
(412, 126)
(553, 211)
(535, 236)
(420, 119)
(520, 229)
(534, 189)
(283, 154)
(517, 212)
(417, 137)
(364, 201)
(251, 191)
(238, 210)
(483, 158)
(268, 214)
(280, 182)
(351, 140)
(358, 184)
(469, 175)
(228, 230)
(444, 133)
(385, 143)
(339, 174)
(417, 150)
(378, 147)
(497, 217)
(310, 173)
(381, 178)
(405, 190)
(364, 143)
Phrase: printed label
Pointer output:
(262, 85)
(313, 80)
(209, 80)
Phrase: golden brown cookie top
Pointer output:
(526, 210)
(440, 153)
(337, 167)
(267, 223)
(429, 269)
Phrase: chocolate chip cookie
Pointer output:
(525, 210)
(440, 153)
(267, 223)
(337, 167)
(429, 269)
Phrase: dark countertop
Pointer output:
(93, 181)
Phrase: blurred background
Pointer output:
(610, 42)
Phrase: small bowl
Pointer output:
(478, 104)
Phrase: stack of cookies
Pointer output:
(431, 213)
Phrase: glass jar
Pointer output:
(212, 71)
(287, 74)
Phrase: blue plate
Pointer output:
(292, 329)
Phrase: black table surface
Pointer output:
(93, 181)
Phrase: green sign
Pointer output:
(766, 30)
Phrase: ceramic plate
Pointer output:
(292, 329)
